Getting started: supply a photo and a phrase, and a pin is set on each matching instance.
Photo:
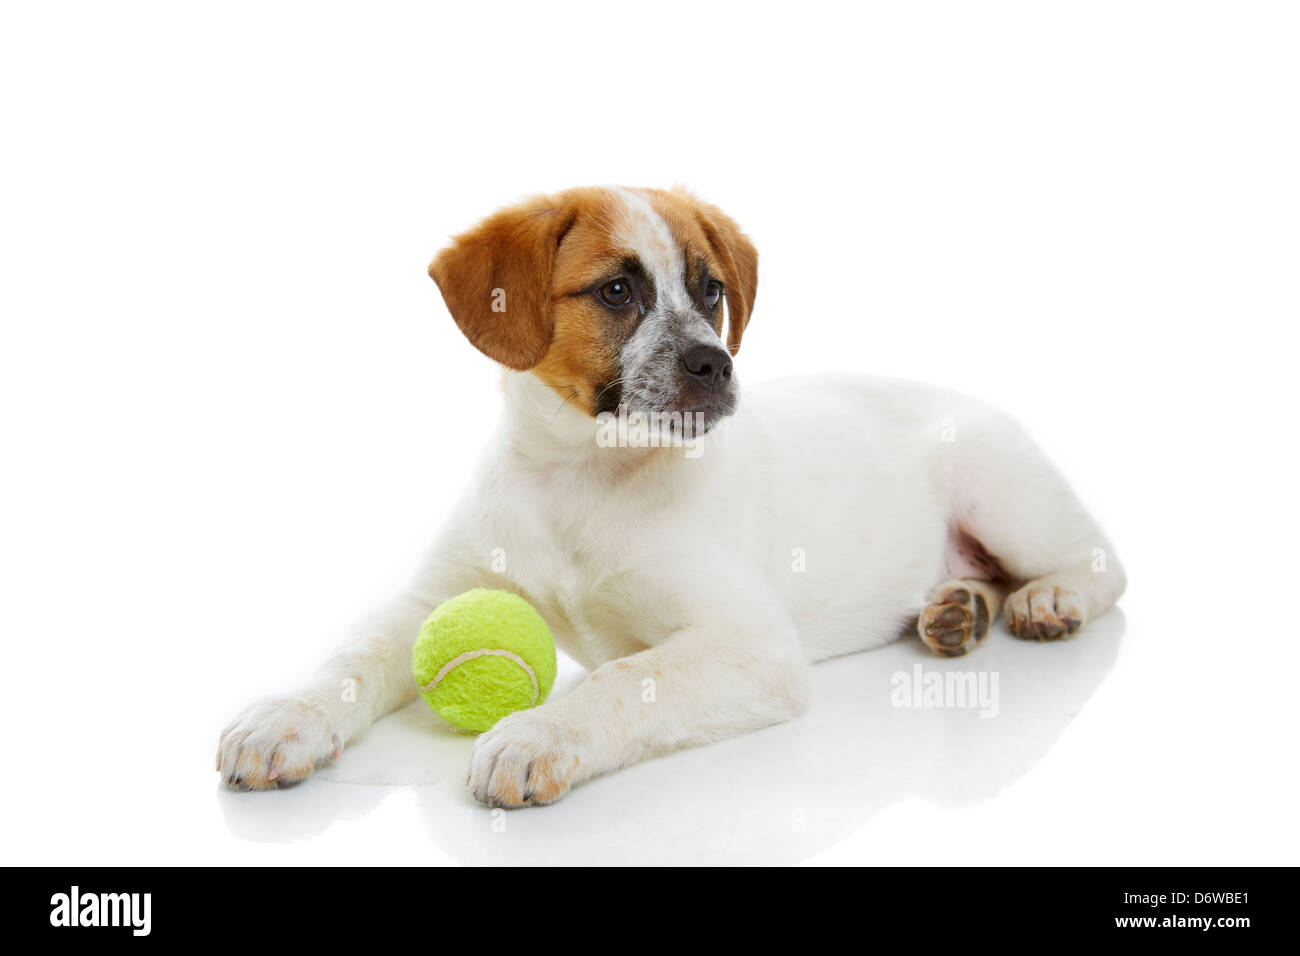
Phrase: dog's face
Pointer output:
(613, 297)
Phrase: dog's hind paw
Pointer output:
(1043, 611)
(958, 616)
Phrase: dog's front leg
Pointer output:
(703, 684)
(281, 739)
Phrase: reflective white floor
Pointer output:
(781, 795)
(1137, 741)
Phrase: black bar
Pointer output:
(995, 904)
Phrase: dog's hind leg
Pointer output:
(1010, 500)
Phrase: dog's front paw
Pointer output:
(1043, 611)
(525, 760)
(275, 742)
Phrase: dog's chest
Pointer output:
(583, 575)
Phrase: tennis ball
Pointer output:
(481, 655)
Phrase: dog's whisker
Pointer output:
(617, 381)
(572, 396)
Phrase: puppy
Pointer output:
(695, 552)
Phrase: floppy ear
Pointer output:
(739, 261)
(496, 280)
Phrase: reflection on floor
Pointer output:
(776, 796)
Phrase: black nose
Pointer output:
(708, 363)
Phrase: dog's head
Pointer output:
(613, 297)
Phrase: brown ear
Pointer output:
(739, 261)
(496, 280)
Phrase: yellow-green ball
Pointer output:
(482, 655)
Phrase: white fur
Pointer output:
(684, 569)
(698, 589)
(643, 230)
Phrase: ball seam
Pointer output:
(459, 659)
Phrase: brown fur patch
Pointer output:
(496, 278)
(516, 283)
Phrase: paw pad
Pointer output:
(954, 622)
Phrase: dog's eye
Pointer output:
(616, 293)
(712, 293)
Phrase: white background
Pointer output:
(235, 409)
